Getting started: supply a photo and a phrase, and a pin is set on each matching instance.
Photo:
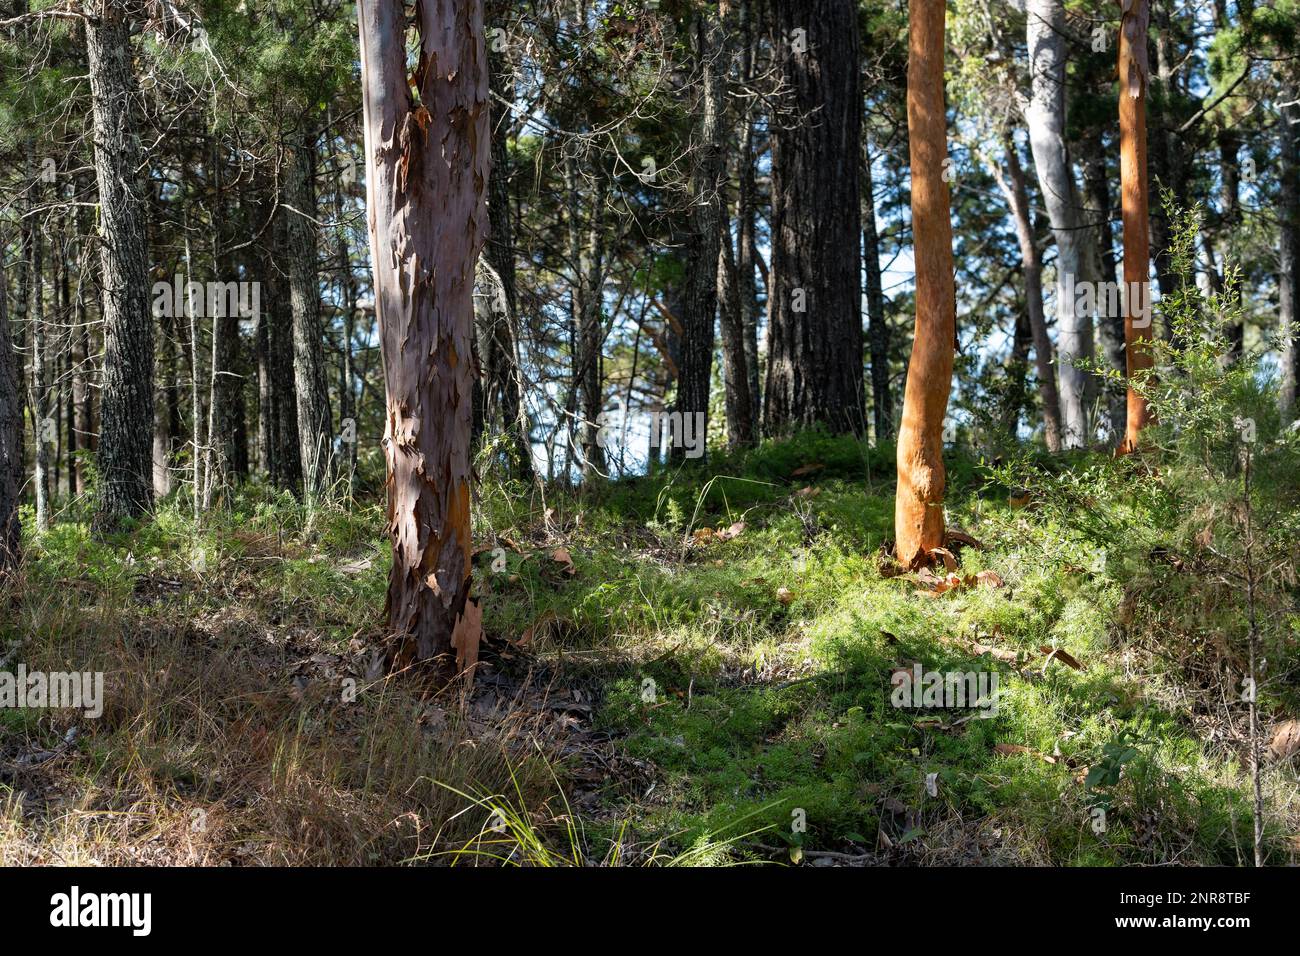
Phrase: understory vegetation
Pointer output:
(688, 667)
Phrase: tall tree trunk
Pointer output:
(1110, 327)
(878, 332)
(699, 316)
(741, 430)
(126, 406)
(746, 212)
(918, 504)
(814, 362)
(1288, 274)
(42, 423)
(1075, 247)
(1229, 144)
(505, 376)
(315, 431)
(1017, 196)
(427, 167)
(11, 438)
(83, 417)
(1133, 74)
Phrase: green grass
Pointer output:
(749, 680)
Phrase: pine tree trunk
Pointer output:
(1017, 196)
(315, 431)
(126, 406)
(1289, 256)
(700, 304)
(815, 343)
(11, 439)
(504, 375)
(427, 170)
(918, 505)
(878, 332)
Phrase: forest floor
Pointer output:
(688, 668)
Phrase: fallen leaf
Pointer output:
(528, 635)
(784, 595)
(952, 536)
(729, 533)
(807, 491)
(562, 556)
(949, 559)
(809, 469)
(1063, 656)
(990, 579)
(1286, 740)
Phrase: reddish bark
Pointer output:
(1133, 72)
(427, 158)
(918, 505)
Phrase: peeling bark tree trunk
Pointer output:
(126, 407)
(426, 180)
(315, 434)
(1017, 196)
(11, 439)
(1137, 220)
(1075, 250)
(918, 504)
(814, 361)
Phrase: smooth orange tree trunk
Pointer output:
(1133, 72)
(427, 158)
(918, 506)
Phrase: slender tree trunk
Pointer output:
(746, 213)
(699, 315)
(1289, 256)
(11, 438)
(1017, 196)
(1075, 248)
(315, 431)
(1133, 74)
(878, 331)
(741, 430)
(42, 424)
(814, 362)
(918, 506)
(505, 374)
(126, 408)
(1110, 327)
(427, 169)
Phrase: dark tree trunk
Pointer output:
(1017, 196)
(504, 376)
(747, 212)
(1110, 324)
(700, 304)
(1289, 256)
(126, 407)
(878, 331)
(427, 166)
(315, 432)
(814, 364)
(11, 439)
